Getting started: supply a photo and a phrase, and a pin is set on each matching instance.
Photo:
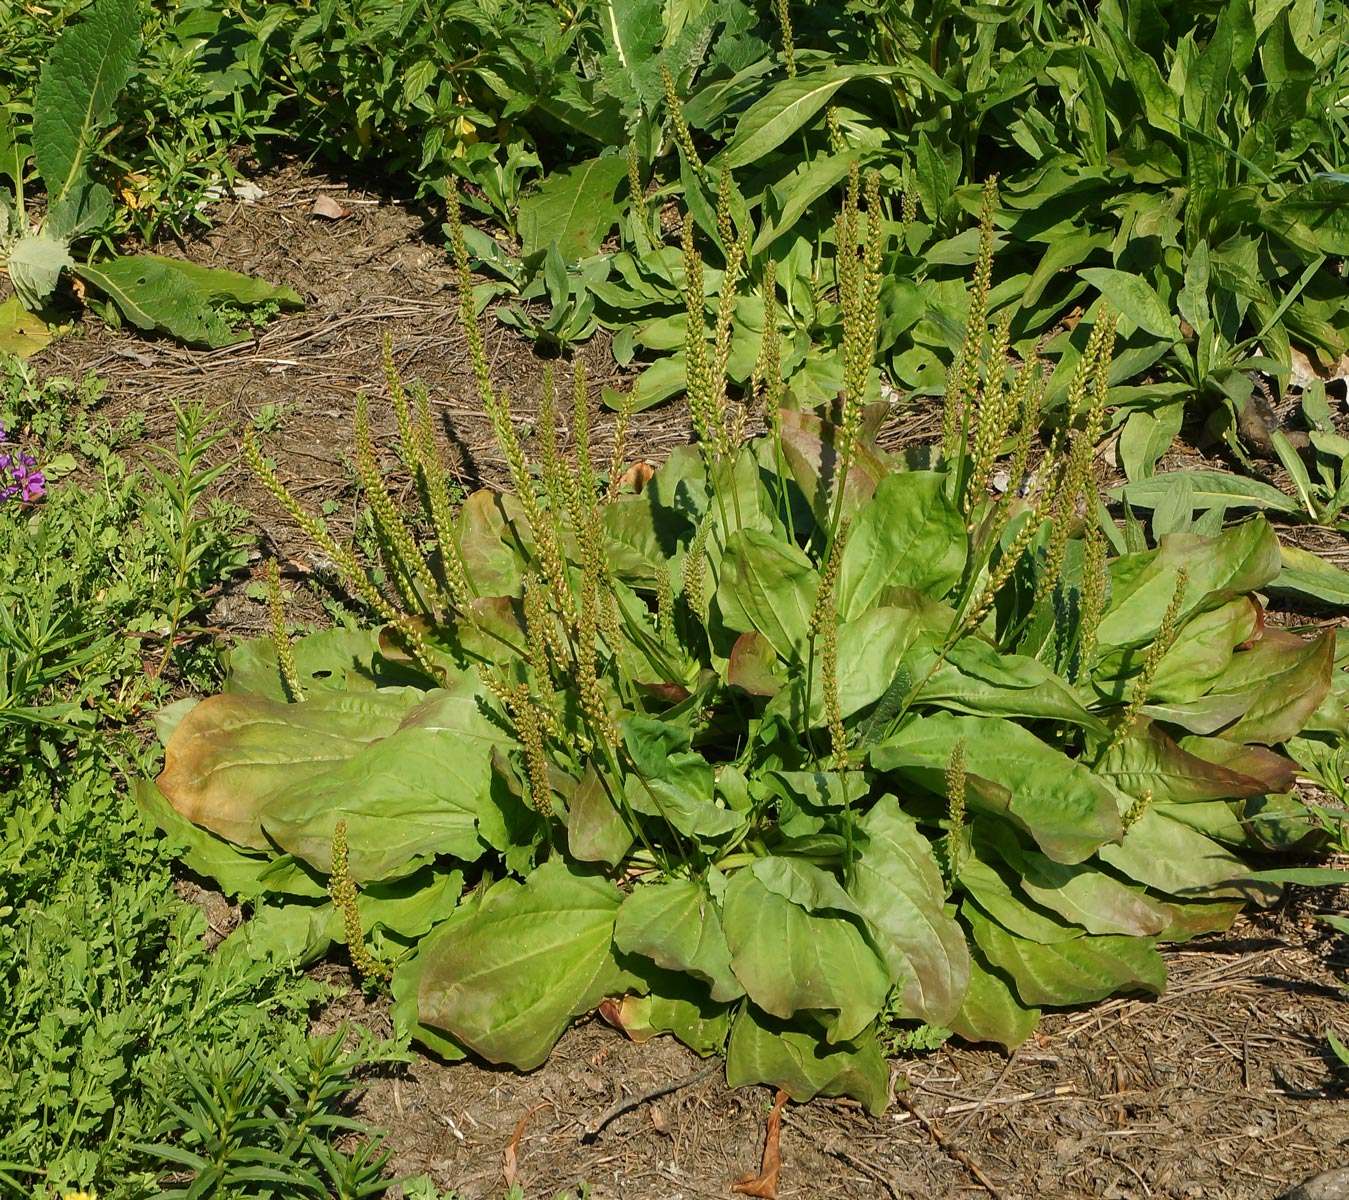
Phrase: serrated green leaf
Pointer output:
(574, 207)
(168, 296)
(77, 91)
(35, 264)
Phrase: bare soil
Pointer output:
(1224, 1087)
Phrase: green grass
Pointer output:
(130, 1050)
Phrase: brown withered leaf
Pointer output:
(636, 477)
(509, 1165)
(328, 208)
(765, 1184)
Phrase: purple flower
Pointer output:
(19, 476)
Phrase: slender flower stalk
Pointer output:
(342, 889)
(406, 566)
(955, 808)
(1142, 685)
(285, 652)
(782, 9)
(822, 630)
(681, 127)
(1094, 579)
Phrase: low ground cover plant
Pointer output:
(779, 748)
(131, 1051)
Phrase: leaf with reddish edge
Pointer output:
(1291, 676)
(1149, 761)
(809, 444)
(1079, 971)
(233, 752)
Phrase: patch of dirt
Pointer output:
(1222, 1088)
(379, 272)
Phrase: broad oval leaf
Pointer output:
(416, 793)
(908, 535)
(1240, 560)
(1009, 771)
(897, 885)
(1163, 853)
(767, 1051)
(789, 960)
(1080, 971)
(232, 753)
(676, 924)
(767, 586)
(507, 981)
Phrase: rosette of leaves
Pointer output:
(795, 740)
(73, 104)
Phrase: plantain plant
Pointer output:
(790, 743)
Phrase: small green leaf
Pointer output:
(35, 265)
